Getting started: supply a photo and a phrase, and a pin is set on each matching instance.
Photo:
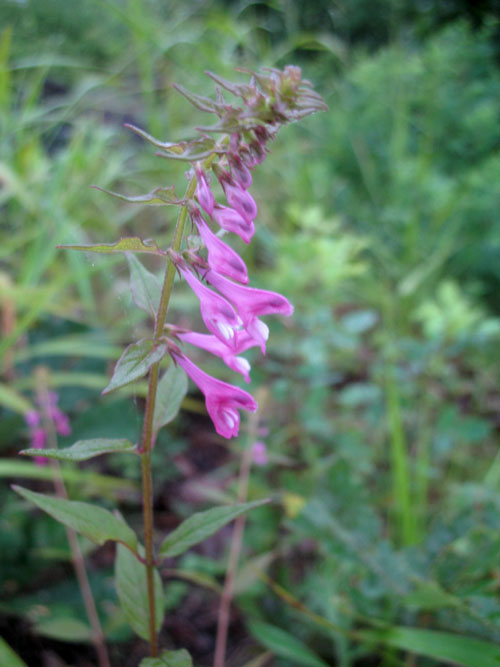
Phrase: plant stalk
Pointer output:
(236, 544)
(76, 553)
(147, 433)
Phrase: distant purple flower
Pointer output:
(223, 400)
(219, 316)
(221, 257)
(32, 418)
(232, 221)
(250, 303)
(259, 453)
(215, 346)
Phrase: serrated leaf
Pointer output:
(127, 244)
(171, 390)
(442, 646)
(201, 525)
(135, 362)
(157, 197)
(64, 629)
(8, 657)
(145, 288)
(96, 523)
(285, 645)
(85, 449)
(13, 400)
(169, 659)
(131, 588)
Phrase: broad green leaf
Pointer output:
(429, 595)
(96, 523)
(85, 449)
(201, 525)
(131, 588)
(285, 645)
(145, 288)
(127, 244)
(14, 401)
(157, 197)
(135, 362)
(169, 659)
(171, 390)
(64, 629)
(7, 656)
(442, 646)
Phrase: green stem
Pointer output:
(147, 433)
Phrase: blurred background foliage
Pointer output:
(378, 219)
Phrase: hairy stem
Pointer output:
(76, 554)
(147, 433)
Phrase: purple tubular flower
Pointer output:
(239, 171)
(221, 257)
(219, 316)
(250, 303)
(241, 201)
(222, 400)
(232, 221)
(215, 346)
(259, 453)
(61, 421)
(38, 440)
(203, 192)
(32, 418)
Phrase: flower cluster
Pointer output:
(232, 310)
(34, 421)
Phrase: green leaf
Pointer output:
(157, 197)
(285, 645)
(145, 288)
(171, 390)
(7, 656)
(127, 244)
(169, 659)
(442, 646)
(85, 449)
(96, 523)
(131, 588)
(201, 525)
(14, 401)
(135, 362)
(64, 629)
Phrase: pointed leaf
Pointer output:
(171, 390)
(442, 646)
(234, 88)
(285, 645)
(85, 449)
(135, 362)
(157, 197)
(145, 288)
(127, 244)
(169, 659)
(131, 588)
(199, 101)
(8, 657)
(96, 523)
(201, 525)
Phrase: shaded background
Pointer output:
(377, 219)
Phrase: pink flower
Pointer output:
(215, 346)
(222, 400)
(259, 453)
(221, 257)
(251, 303)
(38, 440)
(240, 200)
(61, 421)
(239, 171)
(203, 192)
(32, 418)
(219, 316)
(232, 221)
